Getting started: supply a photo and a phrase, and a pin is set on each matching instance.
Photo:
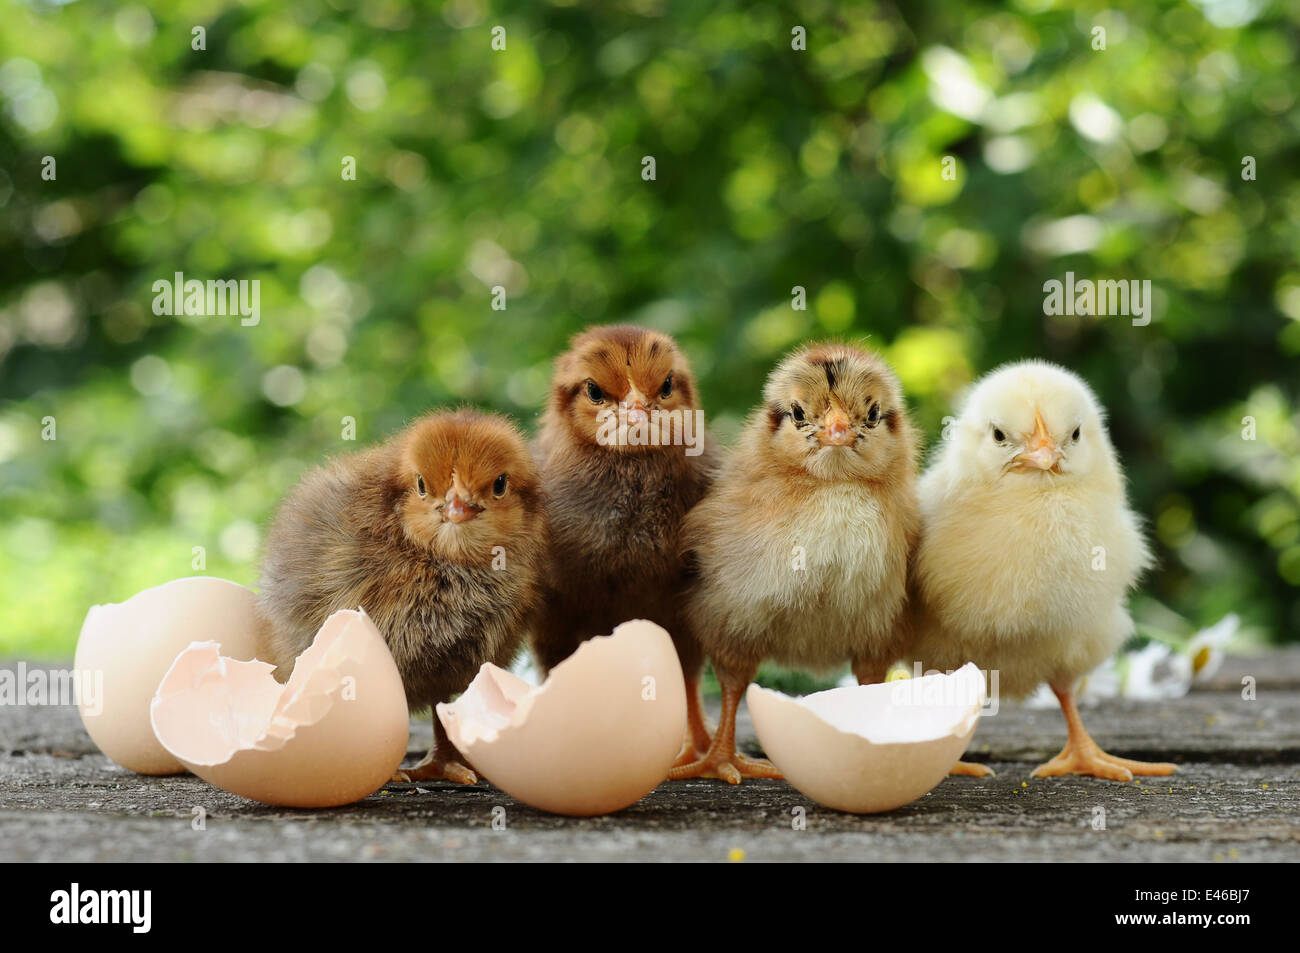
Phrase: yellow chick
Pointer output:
(1028, 549)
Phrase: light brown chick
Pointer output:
(802, 545)
(623, 457)
(438, 534)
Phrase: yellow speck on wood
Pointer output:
(736, 855)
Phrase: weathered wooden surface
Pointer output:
(1236, 798)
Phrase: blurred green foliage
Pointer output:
(775, 168)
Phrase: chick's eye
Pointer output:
(499, 486)
(1075, 435)
(873, 415)
(594, 392)
(668, 386)
(797, 412)
(419, 485)
(998, 435)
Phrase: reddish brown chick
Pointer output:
(438, 534)
(623, 457)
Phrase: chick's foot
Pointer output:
(1082, 755)
(971, 769)
(1091, 760)
(443, 763)
(722, 760)
(726, 766)
(436, 769)
(689, 753)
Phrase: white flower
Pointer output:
(1205, 647)
(1157, 672)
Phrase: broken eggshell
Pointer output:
(125, 649)
(333, 734)
(870, 748)
(599, 734)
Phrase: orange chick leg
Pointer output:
(722, 760)
(1082, 755)
(443, 763)
(869, 673)
(696, 743)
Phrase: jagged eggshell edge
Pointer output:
(332, 735)
(595, 737)
(846, 769)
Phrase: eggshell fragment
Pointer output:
(332, 735)
(870, 748)
(125, 648)
(599, 734)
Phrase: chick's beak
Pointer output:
(636, 407)
(837, 429)
(1041, 452)
(458, 508)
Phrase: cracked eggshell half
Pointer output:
(125, 649)
(870, 748)
(599, 734)
(333, 734)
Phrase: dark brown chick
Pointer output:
(802, 545)
(438, 534)
(617, 488)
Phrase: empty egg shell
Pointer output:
(599, 734)
(333, 734)
(870, 748)
(125, 649)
